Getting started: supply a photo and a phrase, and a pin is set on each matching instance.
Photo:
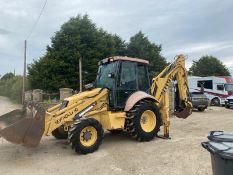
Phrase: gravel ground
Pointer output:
(119, 154)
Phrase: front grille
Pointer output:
(230, 100)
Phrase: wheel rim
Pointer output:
(215, 102)
(148, 121)
(88, 136)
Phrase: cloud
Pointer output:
(194, 28)
(4, 32)
(205, 48)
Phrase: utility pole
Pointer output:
(80, 75)
(24, 71)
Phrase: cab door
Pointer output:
(126, 83)
(143, 78)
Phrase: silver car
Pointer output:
(199, 100)
(229, 102)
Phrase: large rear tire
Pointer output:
(86, 135)
(60, 133)
(143, 121)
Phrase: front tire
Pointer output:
(86, 135)
(60, 133)
(143, 121)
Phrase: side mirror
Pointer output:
(111, 75)
(89, 86)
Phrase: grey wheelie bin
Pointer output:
(220, 146)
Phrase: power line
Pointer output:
(25, 50)
(37, 20)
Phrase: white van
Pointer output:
(217, 89)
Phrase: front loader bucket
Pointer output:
(183, 113)
(18, 128)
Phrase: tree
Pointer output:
(140, 47)
(7, 76)
(208, 66)
(79, 37)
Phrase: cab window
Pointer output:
(143, 79)
(207, 84)
(103, 79)
(128, 76)
(220, 87)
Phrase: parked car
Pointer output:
(229, 102)
(199, 100)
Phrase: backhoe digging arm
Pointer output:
(159, 90)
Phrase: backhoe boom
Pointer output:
(160, 83)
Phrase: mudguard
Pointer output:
(135, 97)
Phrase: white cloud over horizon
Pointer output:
(195, 28)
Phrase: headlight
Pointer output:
(64, 104)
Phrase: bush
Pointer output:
(12, 88)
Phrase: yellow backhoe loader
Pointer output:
(120, 99)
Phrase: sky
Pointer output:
(195, 28)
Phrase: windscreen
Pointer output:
(103, 79)
(229, 87)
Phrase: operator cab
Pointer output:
(122, 76)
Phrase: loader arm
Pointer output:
(159, 90)
(80, 105)
(19, 128)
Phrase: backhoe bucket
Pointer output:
(17, 127)
(183, 113)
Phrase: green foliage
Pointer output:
(140, 47)
(208, 66)
(12, 88)
(7, 76)
(79, 37)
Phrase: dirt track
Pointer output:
(119, 154)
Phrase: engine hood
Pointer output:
(230, 97)
(82, 95)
